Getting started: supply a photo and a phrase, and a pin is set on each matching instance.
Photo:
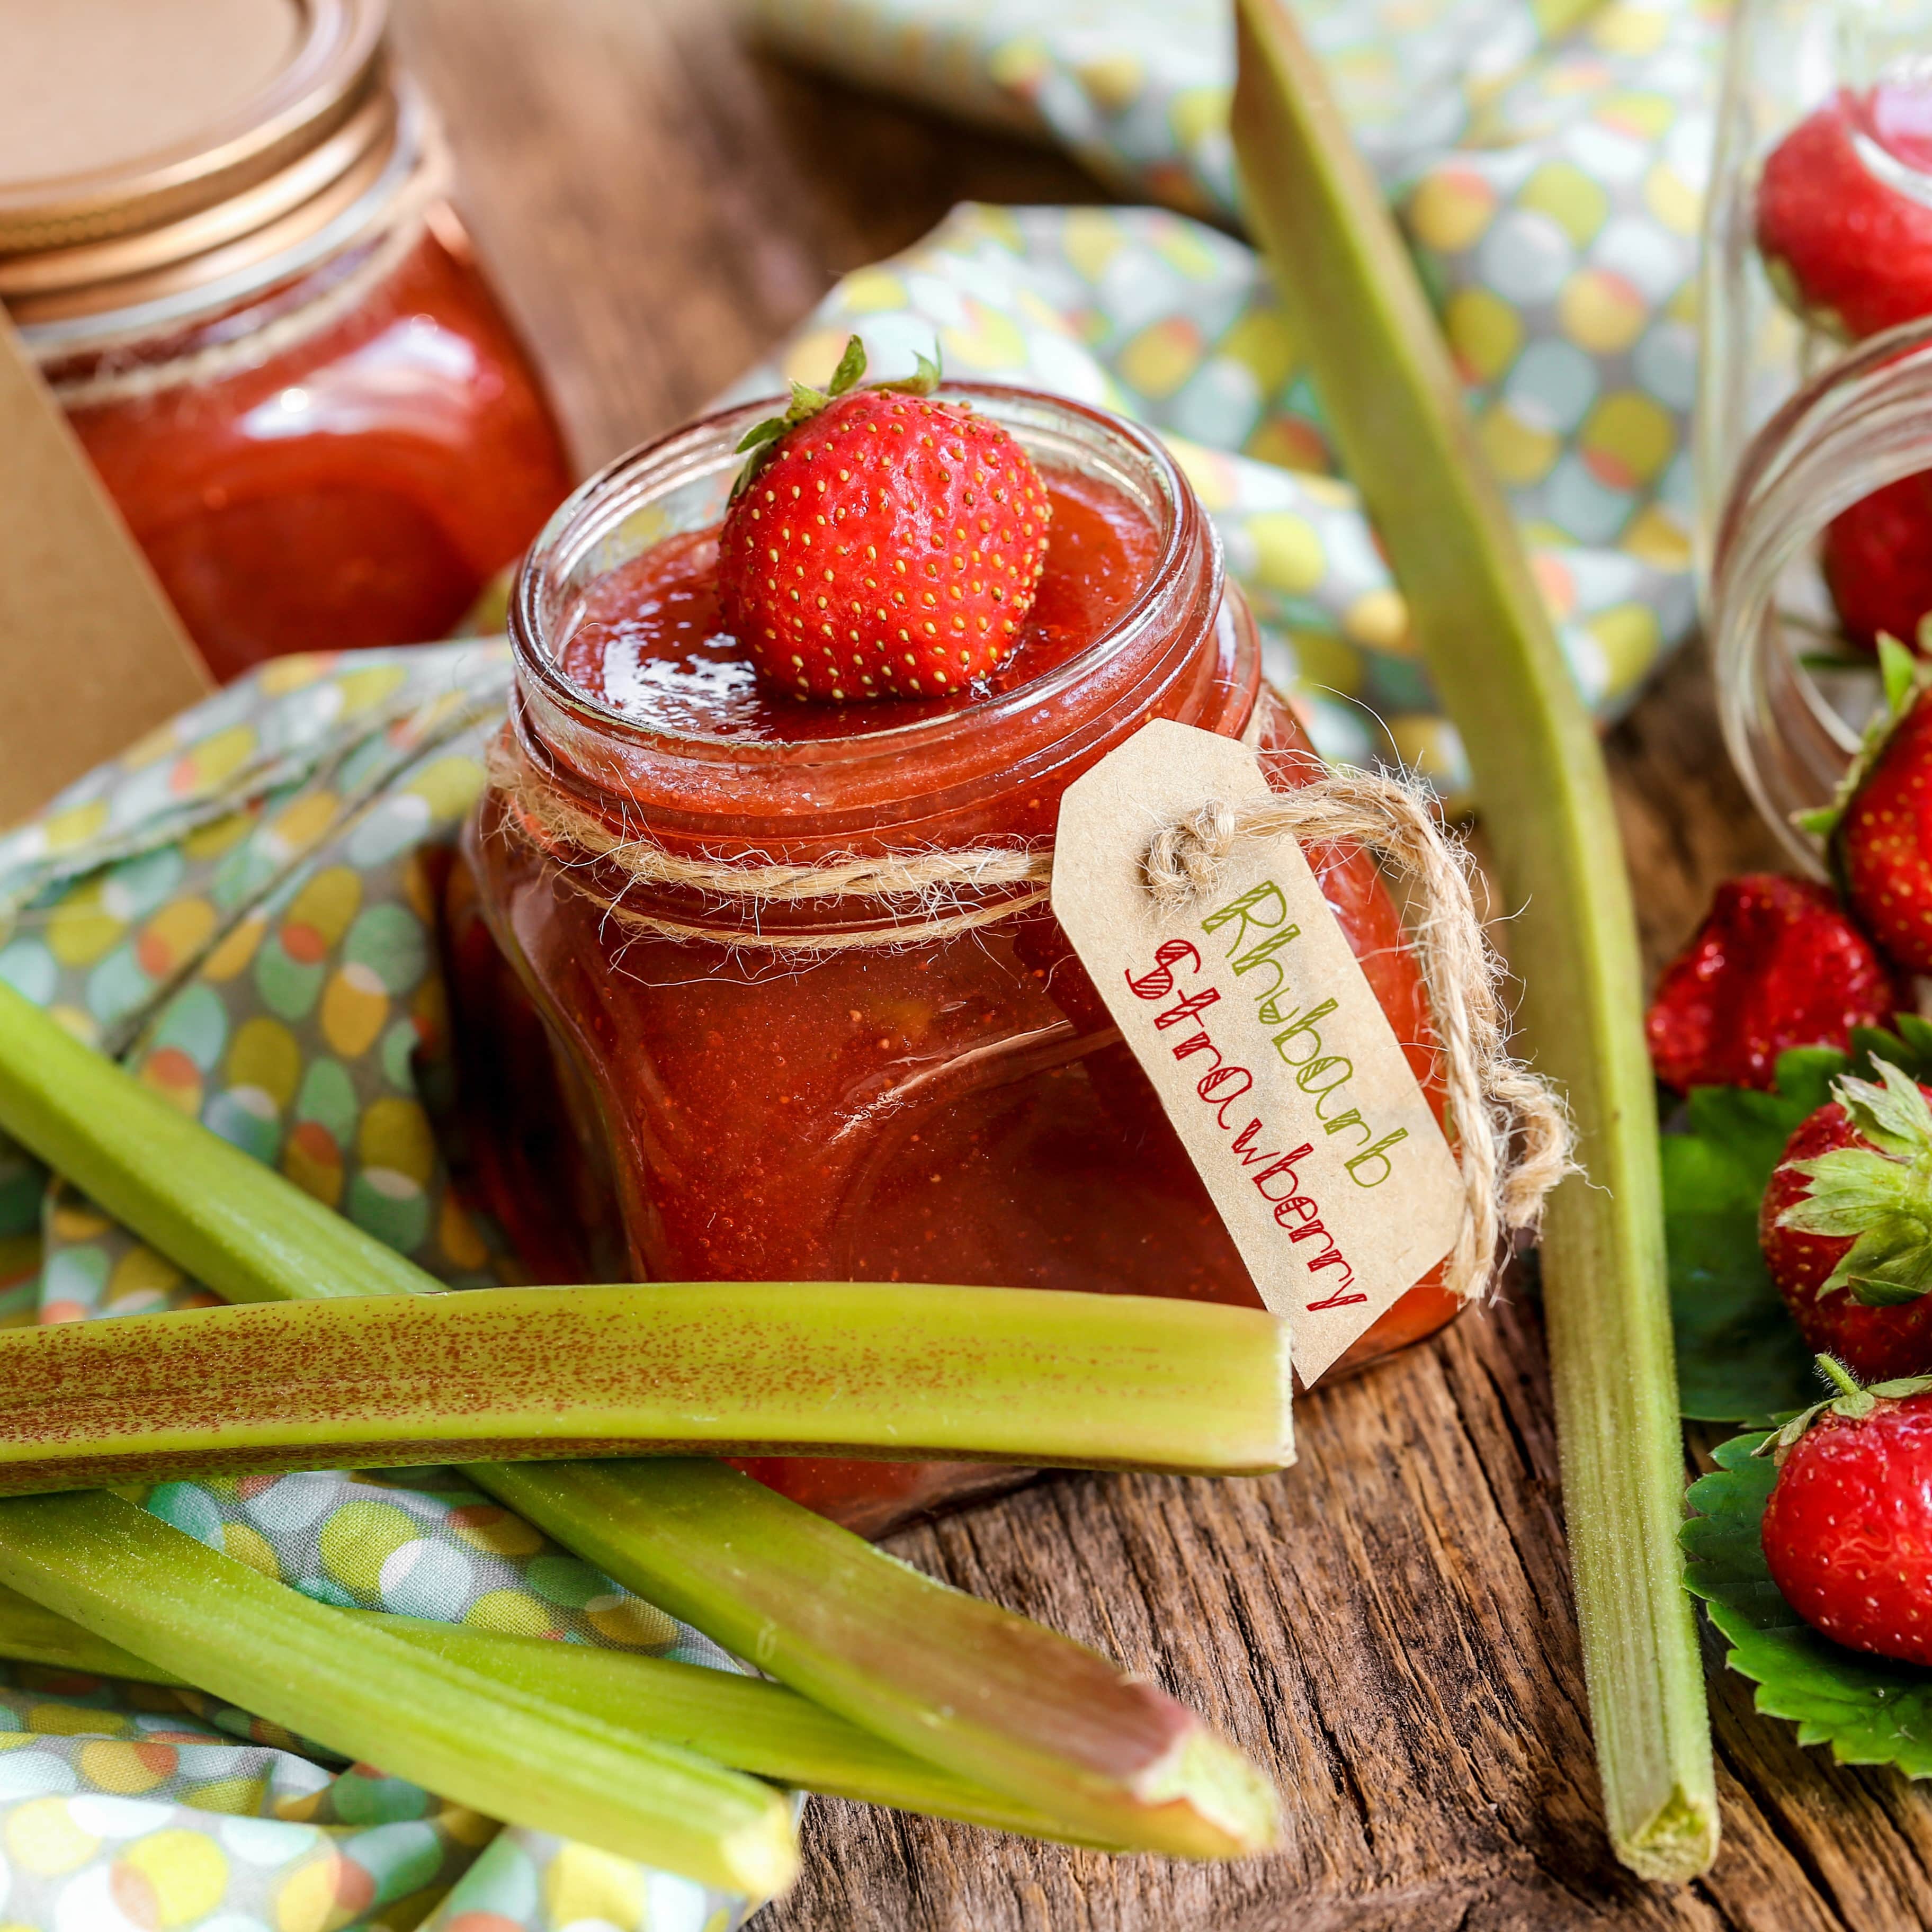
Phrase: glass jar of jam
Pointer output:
(940, 1095)
(223, 238)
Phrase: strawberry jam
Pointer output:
(895, 1104)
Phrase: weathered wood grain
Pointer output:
(1388, 1626)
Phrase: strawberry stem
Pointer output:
(1835, 1372)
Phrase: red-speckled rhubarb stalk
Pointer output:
(504, 1749)
(1358, 315)
(762, 1368)
(984, 1694)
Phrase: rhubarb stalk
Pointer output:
(991, 1697)
(752, 1368)
(503, 1749)
(748, 1723)
(1359, 317)
(30, 1633)
(981, 1693)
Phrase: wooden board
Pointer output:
(1388, 1626)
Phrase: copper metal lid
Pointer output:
(138, 136)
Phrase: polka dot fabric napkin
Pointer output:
(243, 908)
(1547, 160)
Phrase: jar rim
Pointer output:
(326, 114)
(397, 184)
(604, 502)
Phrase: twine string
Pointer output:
(1512, 1136)
(1513, 1133)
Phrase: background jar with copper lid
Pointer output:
(224, 239)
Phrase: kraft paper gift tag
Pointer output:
(1270, 1052)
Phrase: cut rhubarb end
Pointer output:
(985, 1694)
(1215, 1795)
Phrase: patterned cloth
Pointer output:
(1547, 159)
(242, 906)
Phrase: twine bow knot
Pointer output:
(1512, 1133)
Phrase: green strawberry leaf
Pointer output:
(851, 367)
(1889, 1265)
(1740, 1357)
(1881, 1195)
(925, 378)
(1868, 1709)
(1894, 1116)
(763, 437)
(1898, 672)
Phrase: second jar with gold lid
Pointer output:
(224, 238)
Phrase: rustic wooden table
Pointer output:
(1389, 1625)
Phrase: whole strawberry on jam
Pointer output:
(1848, 1529)
(1876, 558)
(1879, 828)
(1845, 1226)
(1776, 963)
(1847, 250)
(880, 544)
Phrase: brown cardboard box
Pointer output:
(92, 654)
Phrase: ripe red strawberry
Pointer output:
(1845, 1226)
(1882, 833)
(1845, 249)
(1776, 965)
(881, 543)
(1877, 561)
(1848, 1529)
